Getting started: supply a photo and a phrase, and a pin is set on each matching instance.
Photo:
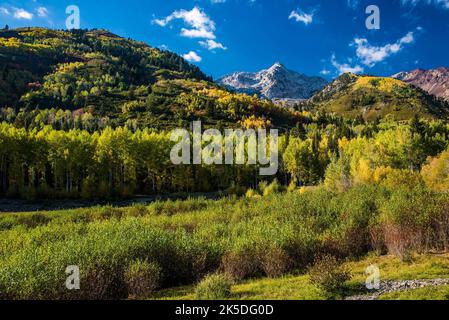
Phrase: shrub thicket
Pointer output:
(214, 287)
(244, 238)
(142, 278)
(329, 275)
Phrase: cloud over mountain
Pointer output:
(199, 25)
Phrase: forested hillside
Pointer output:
(372, 98)
(88, 114)
(92, 79)
(69, 66)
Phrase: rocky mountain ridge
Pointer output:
(434, 81)
(276, 83)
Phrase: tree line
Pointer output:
(119, 162)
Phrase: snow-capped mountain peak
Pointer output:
(276, 82)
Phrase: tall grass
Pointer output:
(188, 240)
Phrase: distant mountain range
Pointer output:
(276, 83)
(280, 83)
(435, 81)
(401, 96)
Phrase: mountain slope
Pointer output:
(41, 67)
(435, 81)
(376, 97)
(96, 76)
(277, 82)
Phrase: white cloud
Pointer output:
(217, 1)
(353, 4)
(442, 3)
(22, 14)
(197, 33)
(4, 11)
(201, 25)
(345, 67)
(42, 12)
(299, 16)
(212, 45)
(371, 55)
(325, 72)
(192, 56)
(408, 38)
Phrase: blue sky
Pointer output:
(314, 37)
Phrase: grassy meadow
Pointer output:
(265, 245)
(297, 286)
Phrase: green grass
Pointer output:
(428, 293)
(298, 287)
(429, 266)
(285, 288)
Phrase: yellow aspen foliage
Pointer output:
(395, 178)
(436, 172)
(342, 143)
(381, 173)
(254, 122)
(363, 172)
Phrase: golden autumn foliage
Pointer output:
(384, 84)
(436, 172)
(396, 178)
(254, 122)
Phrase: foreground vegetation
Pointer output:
(299, 287)
(178, 243)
